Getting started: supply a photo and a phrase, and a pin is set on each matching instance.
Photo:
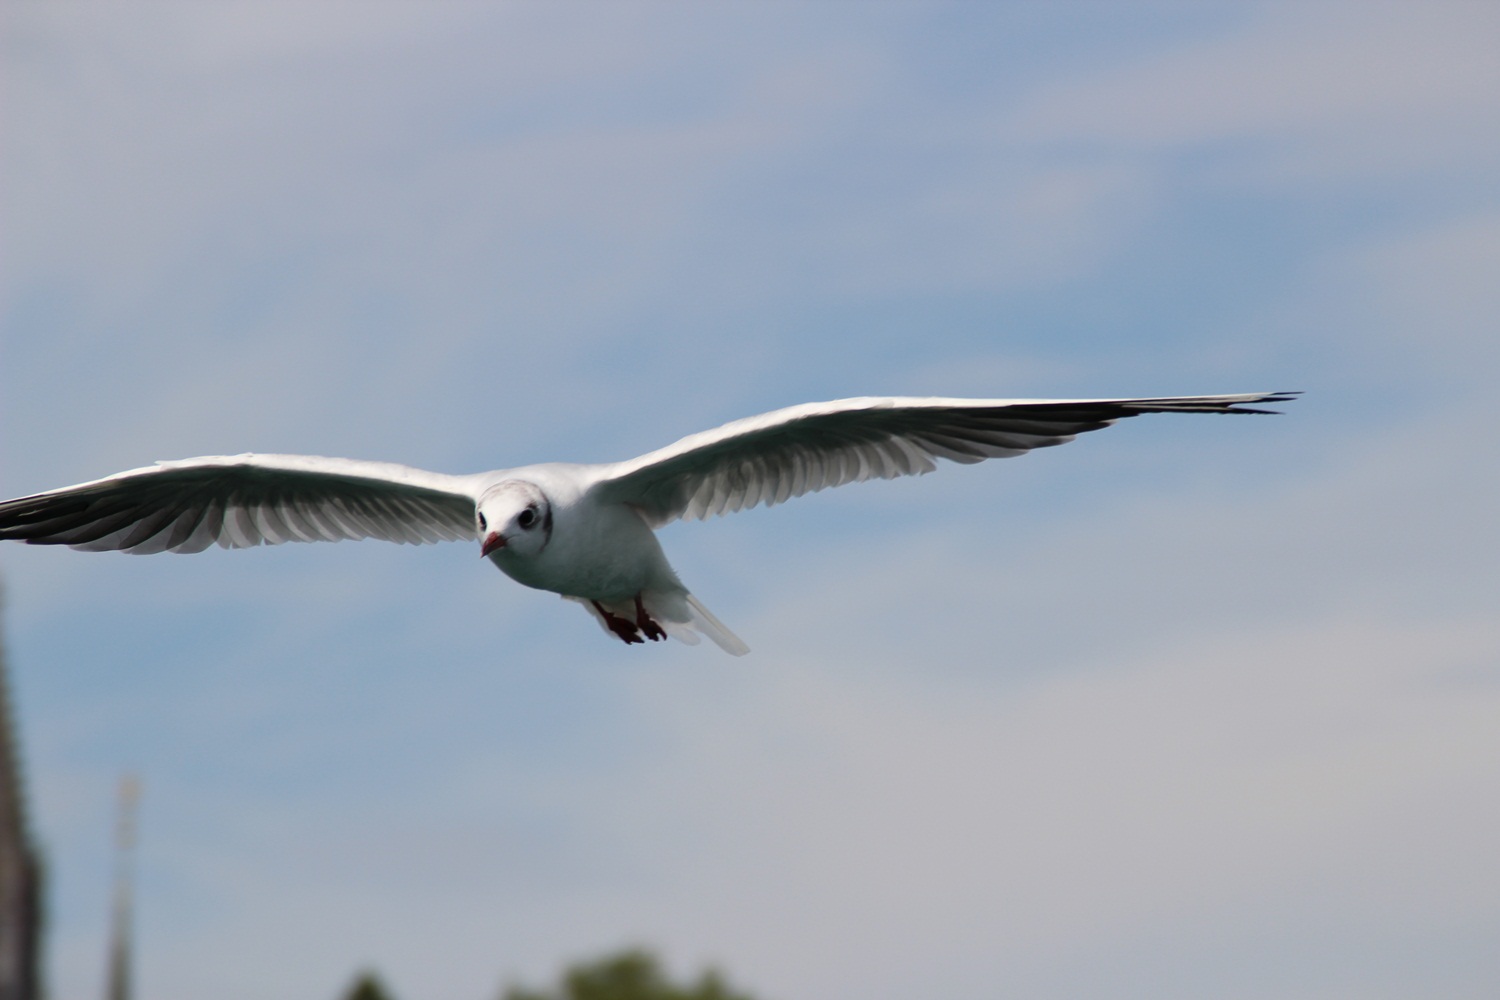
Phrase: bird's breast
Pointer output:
(603, 553)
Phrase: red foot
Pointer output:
(622, 627)
(653, 631)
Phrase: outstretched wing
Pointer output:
(786, 453)
(244, 500)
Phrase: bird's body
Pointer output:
(583, 531)
(600, 553)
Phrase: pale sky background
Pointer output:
(1193, 707)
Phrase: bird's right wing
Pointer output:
(244, 500)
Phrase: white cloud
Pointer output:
(838, 833)
(882, 833)
(1432, 295)
(1323, 80)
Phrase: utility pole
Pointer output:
(117, 986)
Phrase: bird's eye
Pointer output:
(483, 524)
(527, 518)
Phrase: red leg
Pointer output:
(653, 631)
(622, 627)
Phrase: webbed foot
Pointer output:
(653, 631)
(622, 627)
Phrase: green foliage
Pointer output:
(367, 987)
(629, 975)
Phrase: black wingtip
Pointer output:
(1241, 403)
(1288, 396)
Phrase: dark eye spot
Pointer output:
(527, 518)
(483, 524)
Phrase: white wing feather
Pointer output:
(245, 500)
(801, 449)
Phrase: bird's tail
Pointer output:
(703, 620)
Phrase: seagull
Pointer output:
(586, 532)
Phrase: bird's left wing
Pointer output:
(800, 449)
(245, 500)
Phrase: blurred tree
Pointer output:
(367, 987)
(629, 975)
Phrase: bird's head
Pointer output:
(514, 519)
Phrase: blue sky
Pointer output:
(1191, 707)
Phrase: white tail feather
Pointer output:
(704, 621)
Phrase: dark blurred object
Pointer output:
(630, 975)
(367, 987)
(20, 869)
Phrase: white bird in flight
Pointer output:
(583, 531)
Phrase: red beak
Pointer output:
(493, 541)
